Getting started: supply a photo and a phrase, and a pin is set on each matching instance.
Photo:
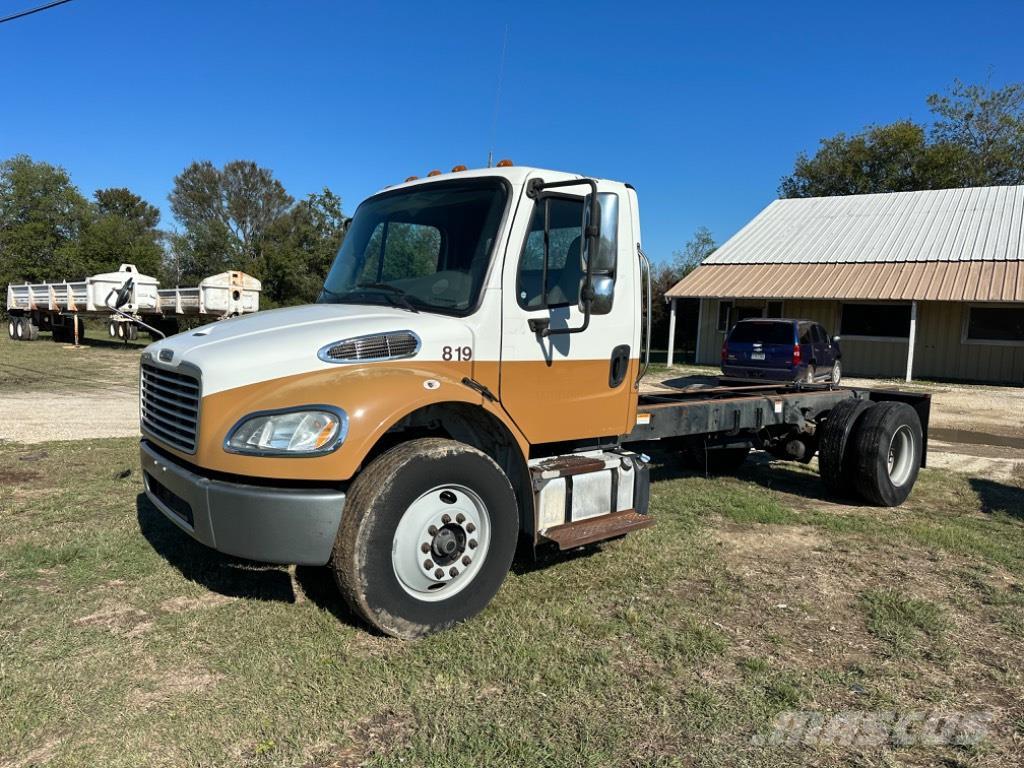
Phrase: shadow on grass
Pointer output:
(234, 576)
(999, 497)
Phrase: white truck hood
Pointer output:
(284, 342)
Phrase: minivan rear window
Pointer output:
(765, 333)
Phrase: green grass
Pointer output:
(122, 642)
(98, 364)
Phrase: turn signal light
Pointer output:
(458, 168)
(434, 172)
(505, 163)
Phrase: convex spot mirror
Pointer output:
(123, 294)
(603, 262)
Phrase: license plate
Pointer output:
(757, 355)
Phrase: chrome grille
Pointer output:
(378, 346)
(169, 403)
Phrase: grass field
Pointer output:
(99, 363)
(123, 643)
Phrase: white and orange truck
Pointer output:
(468, 379)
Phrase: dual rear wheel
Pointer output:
(871, 449)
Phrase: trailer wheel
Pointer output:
(12, 323)
(835, 462)
(120, 331)
(112, 329)
(887, 444)
(132, 332)
(427, 537)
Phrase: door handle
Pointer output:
(619, 365)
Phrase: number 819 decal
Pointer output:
(456, 353)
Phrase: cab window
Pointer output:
(565, 269)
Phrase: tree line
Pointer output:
(234, 217)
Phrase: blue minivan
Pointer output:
(781, 350)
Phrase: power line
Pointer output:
(30, 11)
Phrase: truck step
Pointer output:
(572, 535)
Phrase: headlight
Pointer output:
(306, 431)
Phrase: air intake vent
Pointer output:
(374, 347)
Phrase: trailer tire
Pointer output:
(30, 329)
(132, 332)
(379, 560)
(835, 462)
(112, 329)
(12, 323)
(887, 444)
(19, 329)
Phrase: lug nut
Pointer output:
(470, 527)
(432, 530)
(453, 572)
(472, 543)
(446, 519)
(428, 564)
(460, 518)
(439, 573)
(466, 560)
(424, 547)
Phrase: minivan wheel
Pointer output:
(427, 537)
(837, 373)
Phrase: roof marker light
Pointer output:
(458, 168)
(505, 163)
(434, 172)
(411, 178)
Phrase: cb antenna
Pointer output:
(497, 98)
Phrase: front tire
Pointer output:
(837, 373)
(427, 537)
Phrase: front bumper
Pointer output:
(271, 525)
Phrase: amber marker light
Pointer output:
(434, 172)
(458, 168)
(411, 178)
(505, 163)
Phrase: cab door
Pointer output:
(566, 386)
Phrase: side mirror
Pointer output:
(603, 287)
(603, 262)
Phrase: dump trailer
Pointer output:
(60, 308)
(469, 381)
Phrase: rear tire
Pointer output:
(808, 377)
(379, 560)
(835, 460)
(11, 326)
(31, 330)
(887, 445)
(19, 329)
(112, 329)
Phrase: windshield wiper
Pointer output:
(396, 295)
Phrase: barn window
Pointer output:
(999, 324)
(880, 321)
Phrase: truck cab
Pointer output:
(490, 316)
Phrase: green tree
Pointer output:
(988, 124)
(976, 138)
(701, 245)
(42, 215)
(227, 214)
(123, 228)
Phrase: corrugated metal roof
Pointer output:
(975, 224)
(976, 281)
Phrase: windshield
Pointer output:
(427, 247)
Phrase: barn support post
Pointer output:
(911, 340)
(671, 329)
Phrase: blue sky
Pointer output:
(702, 106)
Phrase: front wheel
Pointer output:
(837, 373)
(427, 537)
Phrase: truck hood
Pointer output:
(284, 342)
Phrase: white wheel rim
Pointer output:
(441, 543)
(19, 330)
(901, 455)
(836, 374)
(10, 328)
